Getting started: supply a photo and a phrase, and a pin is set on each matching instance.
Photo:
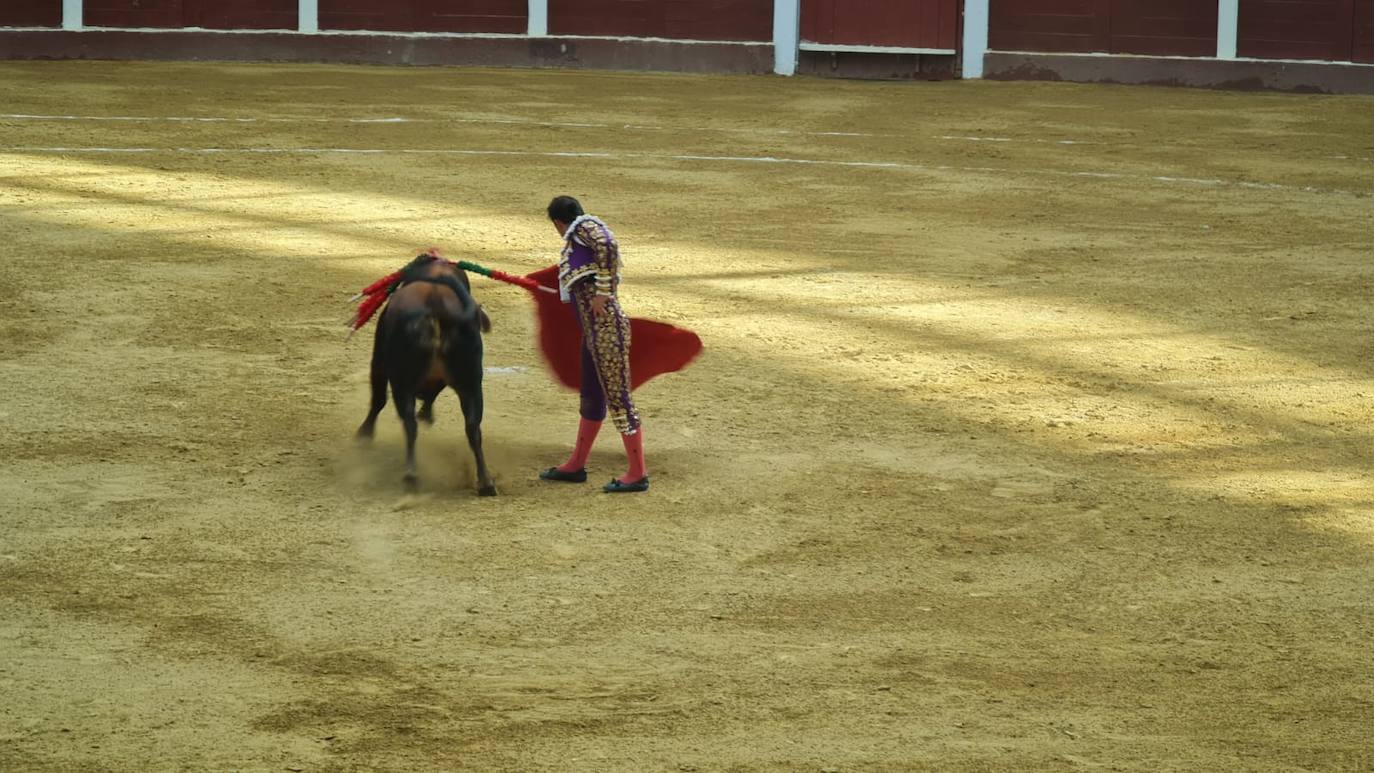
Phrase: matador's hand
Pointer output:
(599, 305)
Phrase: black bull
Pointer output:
(429, 336)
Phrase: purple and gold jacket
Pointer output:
(589, 251)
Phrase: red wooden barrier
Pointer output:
(750, 20)
(134, 13)
(387, 15)
(1363, 47)
(1058, 26)
(31, 13)
(242, 14)
(1149, 27)
(1297, 29)
(508, 16)
(912, 24)
(1164, 27)
(212, 14)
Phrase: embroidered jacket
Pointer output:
(589, 251)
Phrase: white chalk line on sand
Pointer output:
(959, 138)
(405, 120)
(394, 120)
(1202, 181)
(400, 120)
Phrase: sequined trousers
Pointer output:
(605, 361)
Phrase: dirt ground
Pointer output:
(1033, 430)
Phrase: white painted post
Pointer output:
(539, 18)
(1228, 26)
(72, 11)
(308, 16)
(975, 37)
(786, 36)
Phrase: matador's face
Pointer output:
(561, 227)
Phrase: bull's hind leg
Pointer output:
(463, 363)
(471, 397)
(369, 425)
(404, 400)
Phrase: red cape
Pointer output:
(655, 347)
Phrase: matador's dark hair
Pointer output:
(565, 209)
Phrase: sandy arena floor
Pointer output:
(1033, 430)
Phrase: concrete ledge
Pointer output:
(512, 51)
(877, 66)
(1247, 74)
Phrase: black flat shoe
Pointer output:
(616, 487)
(553, 473)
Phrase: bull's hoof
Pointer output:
(411, 481)
(364, 433)
(488, 490)
(426, 415)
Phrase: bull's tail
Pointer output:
(468, 310)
